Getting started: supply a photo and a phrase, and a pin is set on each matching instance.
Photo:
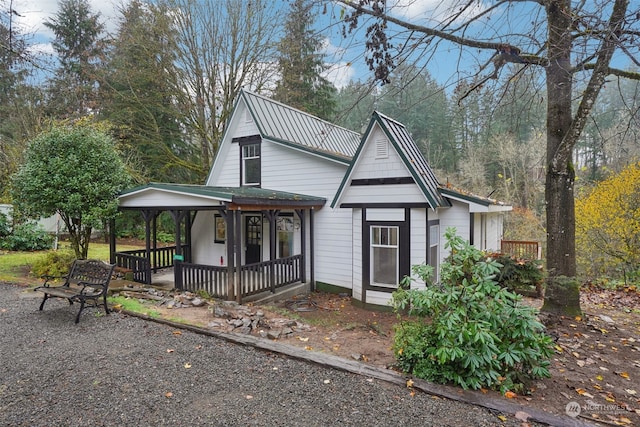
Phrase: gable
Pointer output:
(399, 164)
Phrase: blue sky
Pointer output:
(345, 56)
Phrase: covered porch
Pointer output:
(232, 242)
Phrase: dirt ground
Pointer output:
(596, 362)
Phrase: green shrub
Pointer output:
(27, 237)
(5, 229)
(520, 275)
(468, 330)
(54, 263)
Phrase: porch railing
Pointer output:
(256, 278)
(136, 261)
(521, 249)
(210, 278)
(138, 265)
(269, 275)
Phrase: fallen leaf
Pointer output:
(502, 418)
(575, 354)
(412, 393)
(631, 392)
(248, 397)
(170, 350)
(624, 375)
(599, 377)
(510, 395)
(624, 420)
(597, 386)
(177, 332)
(168, 394)
(187, 365)
(577, 319)
(581, 363)
(199, 346)
(308, 347)
(583, 392)
(303, 339)
(558, 348)
(409, 382)
(327, 381)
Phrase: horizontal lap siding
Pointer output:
(293, 171)
(357, 253)
(456, 216)
(226, 167)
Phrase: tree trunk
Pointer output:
(560, 174)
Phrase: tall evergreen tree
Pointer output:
(137, 95)
(301, 84)
(80, 47)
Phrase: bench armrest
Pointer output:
(48, 278)
(98, 289)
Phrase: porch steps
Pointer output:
(282, 293)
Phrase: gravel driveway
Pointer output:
(123, 371)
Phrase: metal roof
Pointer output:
(286, 125)
(236, 195)
(411, 156)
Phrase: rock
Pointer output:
(214, 324)
(273, 334)
(287, 331)
(606, 318)
(220, 312)
(260, 313)
(197, 302)
(244, 330)
(171, 304)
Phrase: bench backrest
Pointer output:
(92, 271)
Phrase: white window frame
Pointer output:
(389, 245)
(250, 152)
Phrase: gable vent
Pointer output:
(382, 148)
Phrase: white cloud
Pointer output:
(433, 11)
(340, 74)
(33, 13)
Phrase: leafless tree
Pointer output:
(575, 41)
(222, 45)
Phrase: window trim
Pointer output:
(254, 140)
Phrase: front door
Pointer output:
(252, 239)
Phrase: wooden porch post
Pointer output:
(311, 251)
(272, 216)
(303, 244)
(112, 241)
(230, 227)
(238, 253)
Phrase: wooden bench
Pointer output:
(87, 281)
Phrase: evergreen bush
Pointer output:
(468, 330)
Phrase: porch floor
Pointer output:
(164, 280)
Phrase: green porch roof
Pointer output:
(207, 195)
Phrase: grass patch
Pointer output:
(15, 266)
(133, 305)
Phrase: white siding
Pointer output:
(154, 198)
(379, 298)
(204, 249)
(456, 216)
(371, 166)
(295, 171)
(226, 167)
(418, 242)
(357, 254)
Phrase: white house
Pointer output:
(294, 199)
